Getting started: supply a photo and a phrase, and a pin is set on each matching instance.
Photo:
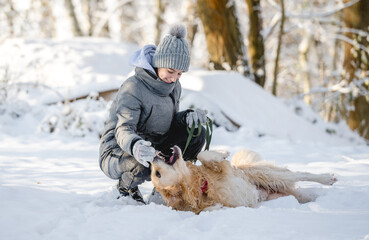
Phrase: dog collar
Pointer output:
(204, 186)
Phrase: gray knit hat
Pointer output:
(173, 51)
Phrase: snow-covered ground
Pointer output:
(51, 186)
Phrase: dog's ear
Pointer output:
(213, 156)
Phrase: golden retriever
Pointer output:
(216, 182)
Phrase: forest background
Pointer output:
(310, 50)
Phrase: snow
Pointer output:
(89, 64)
(51, 186)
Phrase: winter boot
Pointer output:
(155, 197)
(133, 192)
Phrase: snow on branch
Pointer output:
(310, 15)
(353, 42)
(100, 25)
(356, 86)
(36, 85)
(273, 23)
(354, 31)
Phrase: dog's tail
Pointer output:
(245, 157)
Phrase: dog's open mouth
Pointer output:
(170, 160)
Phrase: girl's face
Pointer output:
(169, 75)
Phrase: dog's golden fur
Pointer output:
(249, 180)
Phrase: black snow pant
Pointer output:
(134, 173)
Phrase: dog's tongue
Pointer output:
(176, 154)
(171, 159)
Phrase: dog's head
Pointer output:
(167, 171)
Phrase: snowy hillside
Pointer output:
(71, 67)
(45, 71)
(51, 186)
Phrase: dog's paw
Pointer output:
(328, 179)
(217, 156)
(212, 208)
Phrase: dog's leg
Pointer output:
(215, 160)
(215, 156)
(325, 178)
(303, 195)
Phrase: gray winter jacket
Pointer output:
(143, 109)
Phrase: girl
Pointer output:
(144, 116)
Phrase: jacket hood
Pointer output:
(143, 58)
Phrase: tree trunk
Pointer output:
(276, 63)
(256, 42)
(10, 15)
(356, 65)
(332, 112)
(89, 6)
(114, 23)
(192, 26)
(75, 24)
(85, 12)
(160, 10)
(48, 22)
(305, 76)
(223, 37)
